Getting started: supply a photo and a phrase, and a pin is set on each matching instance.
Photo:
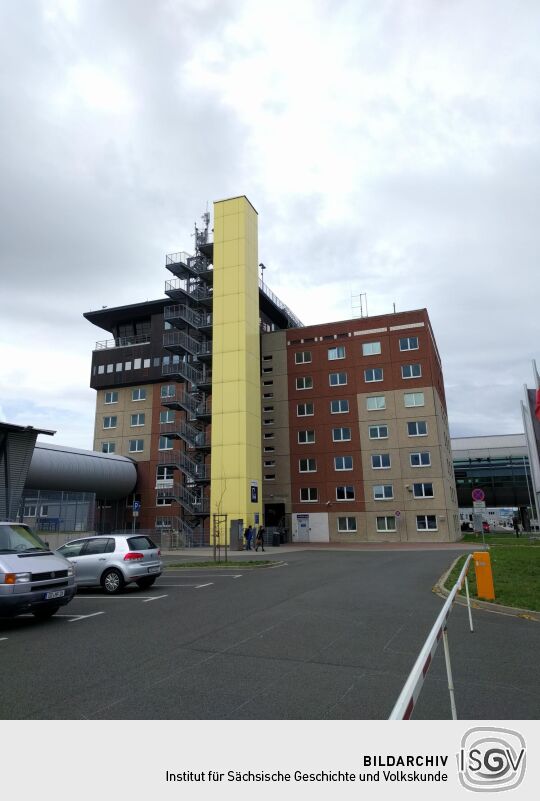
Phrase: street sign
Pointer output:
(136, 506)
(478, 494)
(397, 514)
(479, 504)
(135, 513)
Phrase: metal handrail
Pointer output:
(123, 342)
(182, 312)
(279, 303)
(404, 705)
(196, 292)
(187, 371)
(182, 340)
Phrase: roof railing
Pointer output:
(123, 342)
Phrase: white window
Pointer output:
(304, 410)
(165, 443)
(341, 434)
(426, 522)
(345, 493)
(383, 492)
(166, 417)
(309, 494)
(306, 437)
(307, 465)
(413, 399)
(118, 367)
(136, 364)
(302, 357)
(127, 366)
(417, 428)
(108, 447)
(336, 353)
(306, 382)
(378, 432)
(375, 403)
(424, 490)
(146, 363)
(110, 368)
(137, 419)
(111, 397)
(411, 371)
(346, 524)
(164, 473)
(101, 369)
(380, 461)
(408, 343)
(422, 459)
(168, 391)
(29, 510)
(110, 422)
(138, 394)
(373, 374)
(343, 462)
(337, 379)
(136, 445)
(386, 523)
(371, 348)
(339, 406)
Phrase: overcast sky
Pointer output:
(389, 147)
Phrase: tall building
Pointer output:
(230, 406)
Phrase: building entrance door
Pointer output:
(301, 531)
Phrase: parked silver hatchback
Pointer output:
(113, 561)
(32, 578)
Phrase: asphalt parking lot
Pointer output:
(321, 635)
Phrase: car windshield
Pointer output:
(19, 539)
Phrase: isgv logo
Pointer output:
(491, 759)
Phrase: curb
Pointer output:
(511, 611)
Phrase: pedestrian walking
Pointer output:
(259, 541)
(248, 535)
(516, 525)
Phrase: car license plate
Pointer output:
(55, 594)
(153, 569)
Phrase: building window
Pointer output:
(101, 369)
(146, 363)
(375, 403)
(270, 463)
(341, 434)
(417, 428)
(343, 463)
(269, 449)
(30, 510)
(309, 494)
(118, 367)
(108, 447)
(268, 394)
(373, 374)
(371, 348)
(408, 343)
(346, 524)
(339, 406)
(166, 417)
(127, 366)
(270, 477)
(165, 443)
(157, 361)
(110, 368)
(138, 394)
(345, 493)
(168, 391)
(307, 465)
(423, 490)
(337, 379)
(386, 523)
(269, 421)
(306, 382)
(136, 445)
(411, 371)
(426, 522)
(302, 357)
(111, 397)
(380, 461)
(110, 422)
(164, 473)
(378, 432)
(413, 399)
(268, 358)
(420, 459)
(268, 383)
(383, 492)
(306, 437)
(164, 502)
(304, 409)
(166, 360)
(137, 419)
(268, 435)
(136, 364)
(336, 353)
(267, 369)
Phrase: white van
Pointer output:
(32, 578)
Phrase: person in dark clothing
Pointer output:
(516, 525)
(248, 535)
(259, 541)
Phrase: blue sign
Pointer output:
(136, 506)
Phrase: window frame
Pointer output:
(373, 370)
(378, 426)
(343, 459)
(347, 529)
(404, 367)
(408, 339)
(371, 352)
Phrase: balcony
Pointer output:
(185, 266)
(179, 341)
(178, 288)
(193, 317)
(123, 342)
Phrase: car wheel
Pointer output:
(112, 581)
(46, 612)
(144, 583)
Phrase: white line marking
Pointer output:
(154, 598)
(201, 575)
(83, 617)
(178, 585)
(199, 586)
(3, 638)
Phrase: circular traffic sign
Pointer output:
(478, 494)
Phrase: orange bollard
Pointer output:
(484, 576)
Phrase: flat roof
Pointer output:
(14, 427)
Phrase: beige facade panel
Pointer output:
(337, 535)
(133, 420)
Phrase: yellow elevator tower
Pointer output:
(236, 483)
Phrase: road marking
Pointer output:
(3, 638)
(202, 575)
(83, 617)
(154, 598)
(199, 586)
(178, 585)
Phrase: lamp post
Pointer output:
(263, 268)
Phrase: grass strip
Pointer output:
(502, 539)
(516, 576)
